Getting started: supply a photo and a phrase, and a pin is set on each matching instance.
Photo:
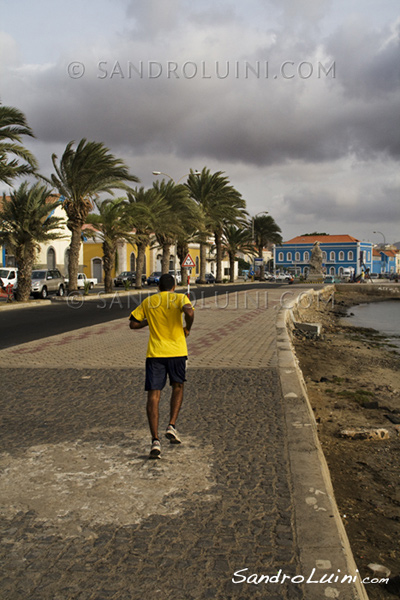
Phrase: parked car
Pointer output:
(127, 276)
(329, 279)
(47, 281)
(269, 277)
(209, 278)
(8, 276)
(283, 277)
(154, 278)
(82, 281)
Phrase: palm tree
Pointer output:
(221, 204)
(266, 231)
(80, 176)
(146, 208)
(25, 222)
(175, 224)
(112, 225)
(13, 126)
(236, 240)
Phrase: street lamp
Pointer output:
(384, 239)
(172, 179)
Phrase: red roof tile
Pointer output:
(324, 239)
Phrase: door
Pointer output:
(97, 266)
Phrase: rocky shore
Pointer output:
(353, 382)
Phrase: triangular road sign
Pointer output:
(188, 262)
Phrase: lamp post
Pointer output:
(384, 239)
(157, 173)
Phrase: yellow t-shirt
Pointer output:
(163, 312)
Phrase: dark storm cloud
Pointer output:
(373, 205)
(223, 111)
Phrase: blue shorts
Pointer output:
(157, 370)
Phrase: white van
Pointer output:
(8, 276)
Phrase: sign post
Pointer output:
(188, 263)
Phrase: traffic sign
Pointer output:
(188, 262)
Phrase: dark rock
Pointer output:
(370, 405)
(394, 419)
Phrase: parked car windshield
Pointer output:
(38, 274)
(125, 273)
(156, 274)
(4, 272)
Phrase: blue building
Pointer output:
(341, 255)
(384, 261)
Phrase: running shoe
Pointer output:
(171, 435)
(155, 451)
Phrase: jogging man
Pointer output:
(166, 352)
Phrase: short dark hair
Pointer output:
(166, 282)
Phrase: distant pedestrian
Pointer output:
(166, 352)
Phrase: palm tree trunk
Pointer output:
(25, 256)
(203, 252)
(141, 252)
(218, 248)
(260, 255)
(73, 262)
(165, 257)
(231, 267)
(182, 249)
(109, 252)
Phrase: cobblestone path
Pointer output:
(86, 516)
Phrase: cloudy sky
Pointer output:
(298, 102)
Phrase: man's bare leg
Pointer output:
(176, 402)
(153, 401)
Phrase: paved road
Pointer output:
(20, 326)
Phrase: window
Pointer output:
(280, 256)
(332, 270)
(350, 255)
(341, 255)
(51, 258)
(197, 261)
(306, 256)
(289, 256)
(133, 262)
(297, 256)
(324, 256)
(332, 257)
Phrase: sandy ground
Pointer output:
(353, 381)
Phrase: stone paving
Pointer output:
(86, 516)
(235, 330)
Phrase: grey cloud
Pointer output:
(372, 206)
(367, 60)
(152, 16)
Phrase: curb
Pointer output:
(29, 304)
(321, 537)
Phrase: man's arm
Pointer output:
(135, 324)
(189, 318)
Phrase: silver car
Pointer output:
(47, 281)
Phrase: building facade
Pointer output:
(341, 254)
(385, 261)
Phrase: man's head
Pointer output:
(166, 283)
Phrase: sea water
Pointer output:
(383, 316)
